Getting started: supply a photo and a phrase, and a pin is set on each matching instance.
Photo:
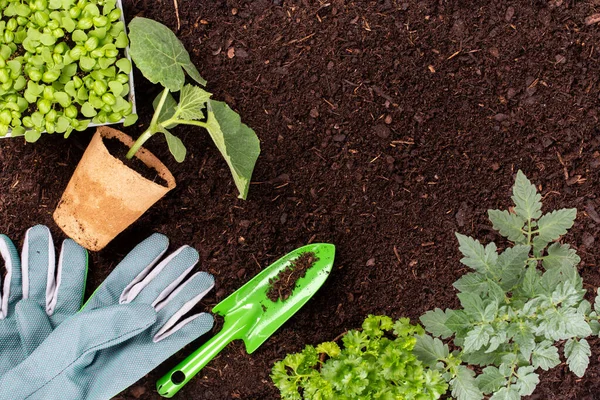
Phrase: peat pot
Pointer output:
(104, 196)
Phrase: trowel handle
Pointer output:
(176, 379)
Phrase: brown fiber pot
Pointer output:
(104, 196)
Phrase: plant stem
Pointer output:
(152, 129)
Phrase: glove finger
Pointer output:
(33, 325)
(184, 333)
(38, 264)
(163, 279)
(10, 291)
(72, 345)
(180, 302)
(133, 269)
(67, 295)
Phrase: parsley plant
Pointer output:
(376, 362)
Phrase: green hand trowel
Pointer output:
(251, 316)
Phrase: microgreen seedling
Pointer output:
(62, 66)
(162, 59)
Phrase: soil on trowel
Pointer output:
(117, 149)
(284, 283)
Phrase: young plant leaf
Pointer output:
(464, 386)
(509, 225)
(526, 198)
(159, 55)
(490, 380)
(237, 143)
(512, 262)
(473, 282)
(430, 350)
(527, 380)
(481, 259)
(553, 225)
(435, 323)
(560, 256)
(507, 393)
(176, 146)
(578, 355)
(192, 101)
(167, 110)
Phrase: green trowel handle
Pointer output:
(176, 379)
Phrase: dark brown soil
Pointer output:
(118, 150)
(284, 283)
(385, 126)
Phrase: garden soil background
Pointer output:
(385, 127)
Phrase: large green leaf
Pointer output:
(464, 386)
(490, 380)
(512, 263)
(481, 259)
(435, 323)
(527, 380)
(159, 55)
(578, 355)
(192, 101)
(545, 356)
(473, 282)
(430, 350)
(527, 200)
(509, 225)
(238, 144)
(560, 256)
(553, 225)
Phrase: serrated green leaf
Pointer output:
(490, 380)
(527, 380)
(176, 146)
(435, 323)
(159, 55)
(473, 282)
(473, 305)
(560, 256)
(597, 303)
(567, 294)
(481, 259)
(506, 394)
(524, 338)
(464, 386)
(526, 198)
(237, 143)
(578, 355)
(458, 322)
(191, 103)
(512, 263)
(553, 225)
(509, 225)
(530, 282)
(477, 337)
(430, 350)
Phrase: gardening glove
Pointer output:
(133, 322)
(36, 295)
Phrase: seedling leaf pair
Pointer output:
(162, 58)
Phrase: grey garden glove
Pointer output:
(133, 322)
(36, 294)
